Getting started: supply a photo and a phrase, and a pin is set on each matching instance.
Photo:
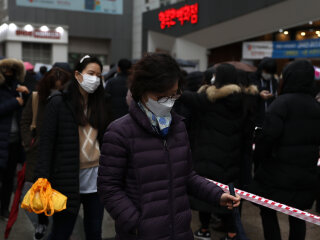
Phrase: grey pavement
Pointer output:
(23, 229)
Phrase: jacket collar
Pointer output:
(142, 120)
(213, 93)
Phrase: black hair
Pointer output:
(43, 70)
(49, 80)
(96, 106)
(155, 72)
(124, 65)
(207, 76)
(269, 65)
(225, 74)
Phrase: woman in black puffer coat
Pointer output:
(290, 139)
(218, 138)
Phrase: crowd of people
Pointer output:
(143, 141)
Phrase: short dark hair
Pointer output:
(155, 72)
(225, 74)
(124, 65)
(48, 82)
(269, 65)
(43, 70)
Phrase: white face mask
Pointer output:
(160, 109)
(266, 76)
(90, 83)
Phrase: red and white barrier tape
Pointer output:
(273, 205)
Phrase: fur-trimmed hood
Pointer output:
(214, 93)
(17, 67)
(250, 90)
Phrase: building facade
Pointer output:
(211, 31)
(51, 31)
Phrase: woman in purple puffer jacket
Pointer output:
(145, 172)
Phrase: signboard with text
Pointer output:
(172, 16)
(39, 34)
(289, 49)
(94, 6)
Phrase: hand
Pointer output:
(20, 100)
(229, 201)
(265, 94)
(22, 89)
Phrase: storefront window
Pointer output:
(37, 53)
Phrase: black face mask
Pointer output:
(9, 78)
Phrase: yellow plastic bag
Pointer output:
(41, 198)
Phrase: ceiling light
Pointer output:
(3, 27)
(60, 30)
(44, 29)
(28, 28)
(12, 27)
(286, 32)
(303, 34)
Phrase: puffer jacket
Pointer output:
(144, 179)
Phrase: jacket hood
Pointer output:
(214, 93)
(250, 90)
(226, 74)
(298, 77)
(16, 66)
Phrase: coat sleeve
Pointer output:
(26, 120)
(202, 188)
(8, 106)
(111, 175)
(48, 137)
(274, 121)
(272, 128)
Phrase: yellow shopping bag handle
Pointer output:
(42, 186)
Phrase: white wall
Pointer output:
(59, 53)
(13, 49)
(139, 7)
(179, 48)
(158, 41)
(187, 50)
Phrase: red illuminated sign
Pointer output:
(39, 34)
(187, 13)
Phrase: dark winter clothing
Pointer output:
(8, 104)
(30, 139)
(271, 227)
(290, 139)
(144, 179)
(11, 151)
(30, 81)
(218, 139)
(59, 149)
(117, 88)
(63, 222)
(262, 84)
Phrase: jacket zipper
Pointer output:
(170, 187)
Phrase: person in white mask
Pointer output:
(73, 126)
(145, 170)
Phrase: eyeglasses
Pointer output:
(164, 99)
